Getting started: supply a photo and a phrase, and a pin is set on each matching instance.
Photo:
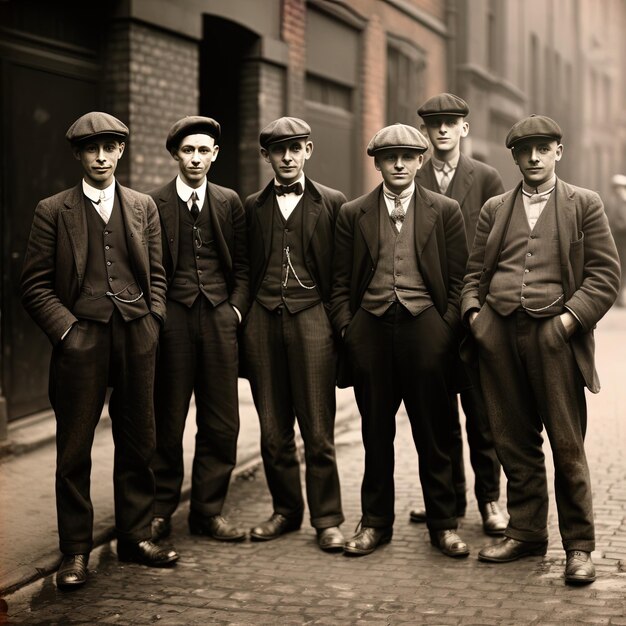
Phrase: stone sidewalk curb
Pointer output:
(104, 530)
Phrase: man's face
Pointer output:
(99, 158)
(445, 131)
(398, 167)
(536, 159)
(195, 154)
(287, 159)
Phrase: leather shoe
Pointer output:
(418, 516)
(579, 568)
(494, 520)
(367, 540)
(217, 527)
(72, 571)
(161, 528)
(449, 543)
(330, 539)
(146, 553)
(511, 549)
(274, 527)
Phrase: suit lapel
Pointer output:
(168, 208)
(132, 213)
(462, 181)
(565, 210)
(503, 213)
(311, 207)
(426, 177)
(76, 225)
(218, 213)
(264, 217)
(425, 219)
(368, 222)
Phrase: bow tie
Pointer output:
(281, 190)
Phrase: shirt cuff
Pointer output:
(67, 331)
(237, 311)
(574, 314)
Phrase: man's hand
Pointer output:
(570, 323)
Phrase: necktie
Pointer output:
(104, 214)
(445, 178)
(195, 211)
(281, 190)
(397, 213)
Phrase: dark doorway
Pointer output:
(37, 106)
(225, 44)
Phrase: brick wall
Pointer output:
(293, 31)
(151, 80)
(374, 85)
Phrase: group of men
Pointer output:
(182, 290)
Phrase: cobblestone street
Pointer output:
(290, 581)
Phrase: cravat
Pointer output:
(445, 178)
(281, 190)
(195, 211)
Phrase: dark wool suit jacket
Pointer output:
(229, 231)
(56, 256)
(589, 265)
(473, 184)
(440, 245)
(320, 208)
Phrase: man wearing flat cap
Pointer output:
(471, 183)
(93, 281)
(205, 258)
(289, 345)
(542, 272)
(400, 255)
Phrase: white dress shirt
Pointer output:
(102, 199)
(288, 202)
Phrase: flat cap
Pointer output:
(191, 125)
(619, 180)
(282, 129)
(93, 124)
(397, 136)
(444, 104)
(533, 126)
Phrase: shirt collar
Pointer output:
(404, 196)
(184, 191)
(544, 188)
(94, 194)
(300, 180)
(439, 165)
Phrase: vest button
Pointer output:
(523, 298)
(526, 271)
(106, 232)
(107, 247)
(110, 280)
(108, 262)
(529, 254)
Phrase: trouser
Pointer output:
(197, 354)
(530, 381)
(395, 358)
(291, 360)
(92, 357)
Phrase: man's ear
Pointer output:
(308, 150)
(265, 154)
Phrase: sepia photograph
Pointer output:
(313, 312)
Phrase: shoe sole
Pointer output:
(489, 559)
(417, 520)
(360, 552)
(573, 580)
(333, 547)
(71, 586)
(168, 563)
(493, 532)
(201, 532)
(256, 537)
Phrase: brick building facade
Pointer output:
(347, 66)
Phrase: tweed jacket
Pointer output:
(472, 185)
(229, 231)
(440, 245)
(589, 265)
(320, 209)
(56, 256)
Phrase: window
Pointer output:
(405, 81)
